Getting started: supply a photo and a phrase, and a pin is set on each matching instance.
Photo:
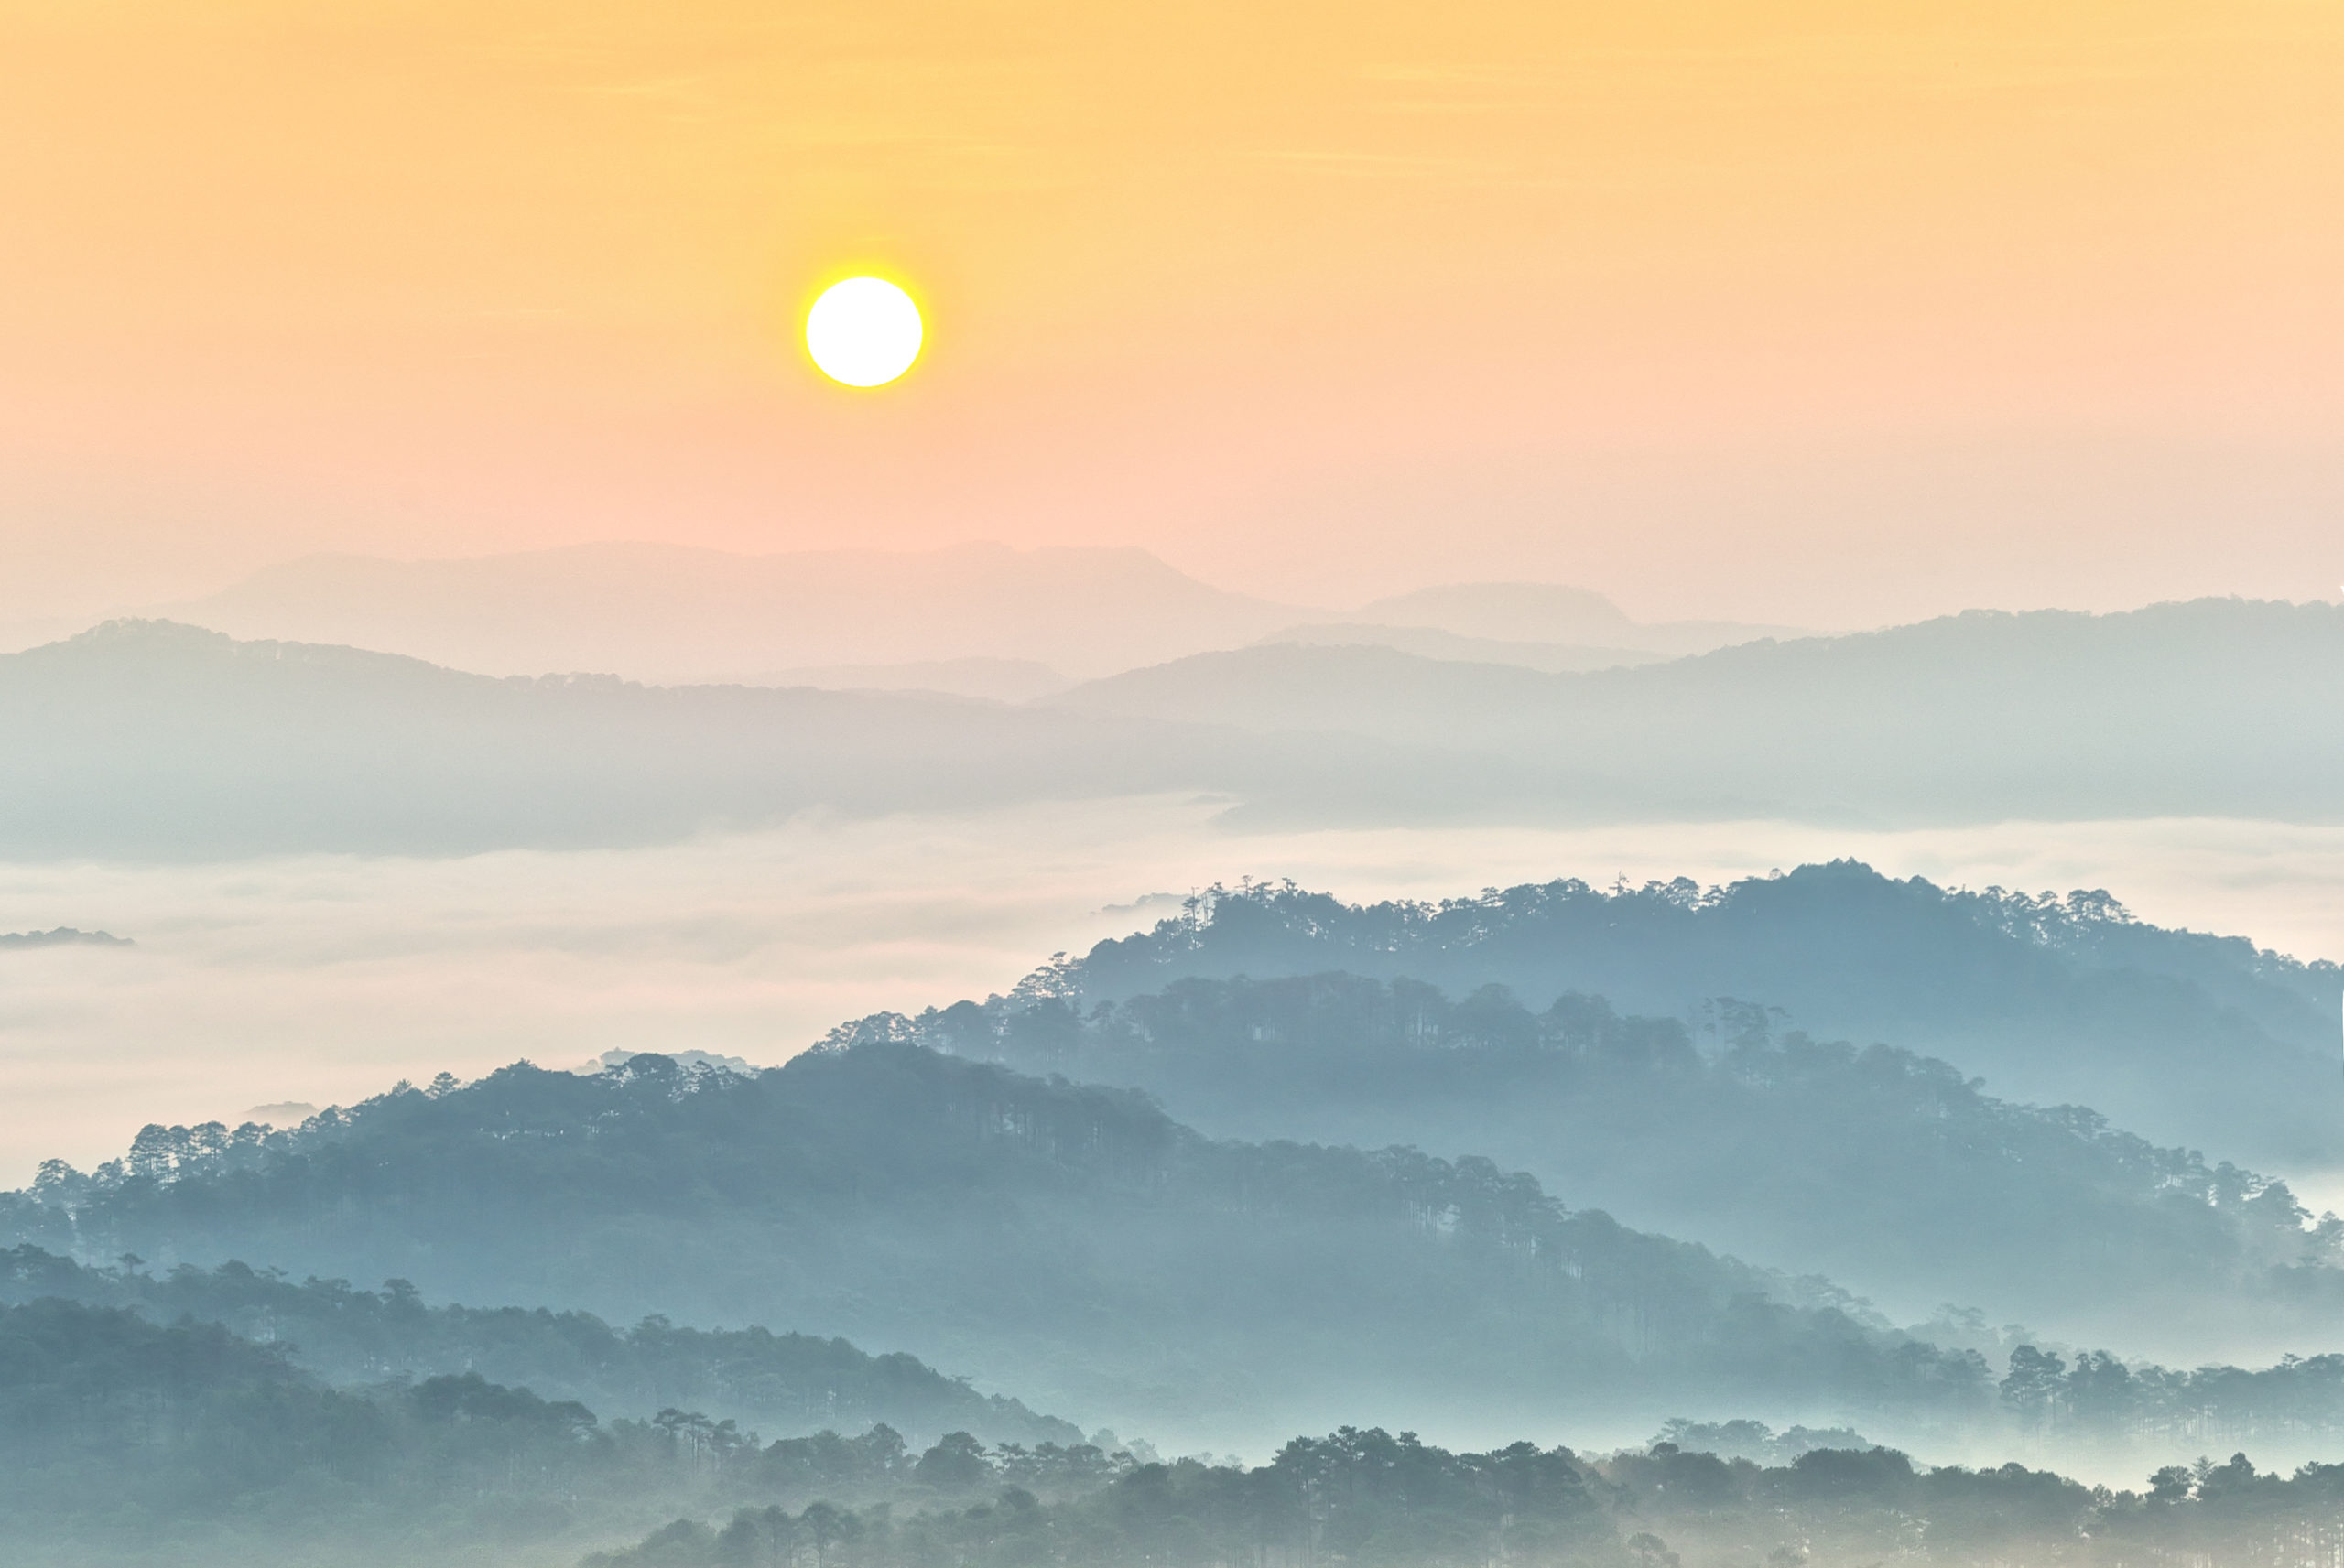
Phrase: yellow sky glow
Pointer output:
(1698, 300)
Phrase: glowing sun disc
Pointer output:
(864, 331)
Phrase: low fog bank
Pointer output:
(322, 977)
(1787, 1211)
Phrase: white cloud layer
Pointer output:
(324, 978)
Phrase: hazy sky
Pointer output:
(1824, 312)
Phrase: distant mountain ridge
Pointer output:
(2210, 707)
(673, 614)
(668, 613)
(155, 739)
(152, 739)
(1431, 642)
(62, 936)
(1536, 613)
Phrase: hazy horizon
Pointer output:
(55, 609)
(1264, 784)
(1766, 314)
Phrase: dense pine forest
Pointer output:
(1072, 1243)
(783, 1383)
(1371, 1499)
(1910, 1180)
(125, 1439)
(110, 1423)
(1245, 783)
(863, 1151)
(1225, 1205)
(2185, 1038)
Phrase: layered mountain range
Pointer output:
(956, 617)
(155, 739)
(1073, 1244)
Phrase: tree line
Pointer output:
(1373, 1500)
(2205, 1041)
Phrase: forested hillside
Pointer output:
(123, 1441)
(126, 1441)
(120, 1439)
(2187, 1039)
(780, 1384)
(1885, 1169)
(1071, 1243)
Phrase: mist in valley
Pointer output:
(742, 1123)
(1247, 786)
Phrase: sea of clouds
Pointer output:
(325, 978)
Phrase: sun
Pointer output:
(863, 332)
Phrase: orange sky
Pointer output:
(1823, 312)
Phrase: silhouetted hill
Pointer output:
(1553, 614)
(145, 737)
(1073, 1243)
(998, 680)
(2208, 707)
(2187, 1038)
(1431, 642)
(667, 613)
(62, 936)
(1885, 1169)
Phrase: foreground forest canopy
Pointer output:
(109, 1422)
(121, 1437)
(1370, 1499)
(1153, 1190)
